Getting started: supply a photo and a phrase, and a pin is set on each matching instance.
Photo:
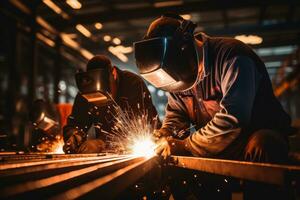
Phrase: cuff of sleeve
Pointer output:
(165, 132)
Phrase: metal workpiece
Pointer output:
(112, 184)
(260, 172)
(70, 176)
(90, 176)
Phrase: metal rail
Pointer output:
(90, 176)
(69, 176)
(260, 172)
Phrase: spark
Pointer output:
(51, 146)
(143, 146)
(132, 132)
(58, 147)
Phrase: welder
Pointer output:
(216, 85)
(101, 87)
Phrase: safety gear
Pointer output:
(42, 119)
(72, 144)
(167, 146)
(169, 63)
(94, 86)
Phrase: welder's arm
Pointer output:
(77, 125)
(148, 104)
(239, 82)
(176, 119)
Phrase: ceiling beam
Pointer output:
(250, 29)
(187, 7)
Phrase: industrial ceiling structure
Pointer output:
(90, 27)
(101, 26)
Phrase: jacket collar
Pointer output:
(205, 39)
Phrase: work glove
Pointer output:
(266, 146)
(167, 146)
(159, 133)
(74, 141)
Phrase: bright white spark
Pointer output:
(58, 149)
(132, 132)
(143, 146)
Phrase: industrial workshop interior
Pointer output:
(150, 99)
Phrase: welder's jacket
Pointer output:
(132, 94)
(232, 96)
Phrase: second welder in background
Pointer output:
(101, 82)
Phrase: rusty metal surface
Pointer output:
(69, 176)
(261, 172)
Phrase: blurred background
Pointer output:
(44, 43)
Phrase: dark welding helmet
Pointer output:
(43, 117)
(169, 63)
(94, 86)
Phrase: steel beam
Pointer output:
(69, 176)
(260, 172)
(118, 180)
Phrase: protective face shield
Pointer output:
(41, 119)
(94, 86)
(169, 63)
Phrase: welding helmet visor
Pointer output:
(94, 86)
(167, 63)
(42, 116)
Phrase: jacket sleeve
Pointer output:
(78, 123)
(239, 82)
(176, 121)
(149, 107)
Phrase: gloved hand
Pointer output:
(266, 146)
(159, 133)
(168, 145)
(73, 142)
(92, 146)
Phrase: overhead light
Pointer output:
(249, 39)
(83, 30)
(116, 41)
(123, 49)
(119, 55)
(107, 38)
(186, 16)
(98, 25)
(74, 4)
(55, 8)
(167, 3)
(71, 43)
(46, 40)
(86, 54)
(120, 51)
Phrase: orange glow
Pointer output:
(58, 147)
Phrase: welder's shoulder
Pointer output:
(229, 47)
(131, 79)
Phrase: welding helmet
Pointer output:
(94, 85)
(169, 63)
(43, 117)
